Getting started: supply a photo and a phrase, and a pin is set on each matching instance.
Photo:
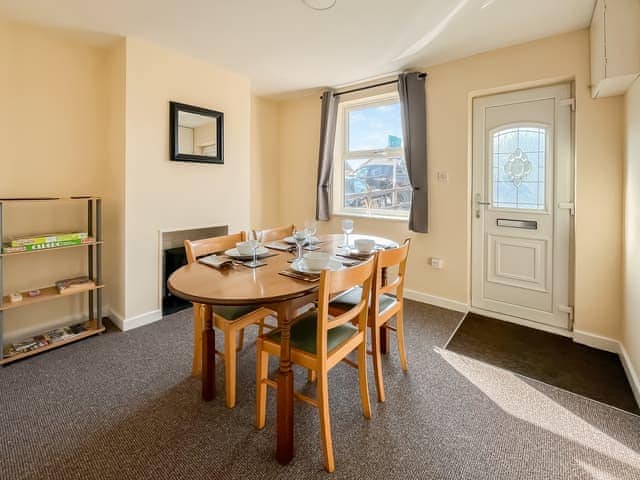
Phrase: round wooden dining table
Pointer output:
(262, 286)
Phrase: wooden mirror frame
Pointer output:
(175, 155)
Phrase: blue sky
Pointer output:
(369, 128)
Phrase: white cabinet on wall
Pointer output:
(615, 46)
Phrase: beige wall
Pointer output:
(106, 131)
(53, 136)
(113, 208)
(449, 88)
(161, 194)
(265, 165)
(631, 325)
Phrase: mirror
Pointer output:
(196, 134)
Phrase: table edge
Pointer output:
(241, 301)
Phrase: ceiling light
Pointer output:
(320, 4)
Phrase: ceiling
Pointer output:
(283, 45)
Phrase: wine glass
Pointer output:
(347, 228)
(310, 229)
(255, 240)
(300, 238)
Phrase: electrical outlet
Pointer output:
(436, 262)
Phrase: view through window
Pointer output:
(372, 177)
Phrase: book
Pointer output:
(41, 340)
(57, 335)
(24, 346)
(45, 246)
(48, 238)
(70, 285)
(52, 336)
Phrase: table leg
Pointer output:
(284, 452)
(208, 354)
(384, 341)
(384, 337)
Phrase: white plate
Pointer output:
(292, 240)
(234, 253)
(355, 251)
(301, 266)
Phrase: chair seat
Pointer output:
(232, 312)
(351, 298)
(304, 332)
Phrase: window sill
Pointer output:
(387, 218)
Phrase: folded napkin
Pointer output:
(282, 246)
(216, 261)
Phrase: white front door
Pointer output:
(522, 210)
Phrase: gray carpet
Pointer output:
(123, 406)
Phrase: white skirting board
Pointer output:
(125, 324)
(632, 374)
(442, 302)
(596, 341)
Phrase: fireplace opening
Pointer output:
(173, 256)
(173, 259)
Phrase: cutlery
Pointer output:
(298, 276)
(350, 263)
(353, 256)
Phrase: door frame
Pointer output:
(512, 88)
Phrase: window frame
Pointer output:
(342, 154)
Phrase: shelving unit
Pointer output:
(94, 261)
(48, 293)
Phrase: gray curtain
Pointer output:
(325, 161)
(411, 87)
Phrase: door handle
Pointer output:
(480, 203)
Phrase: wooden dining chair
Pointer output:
(386, 302)
(277, 233)
(319, 343)
(231, 320)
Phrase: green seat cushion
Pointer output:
(304, 331)
(232, 312)
(351, 298)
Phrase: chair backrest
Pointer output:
(385, 259)
(277, 233)
(332, 282)
(207, 246)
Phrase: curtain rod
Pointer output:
(359, 89)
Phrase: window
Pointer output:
(370, 175)
(519, 168)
